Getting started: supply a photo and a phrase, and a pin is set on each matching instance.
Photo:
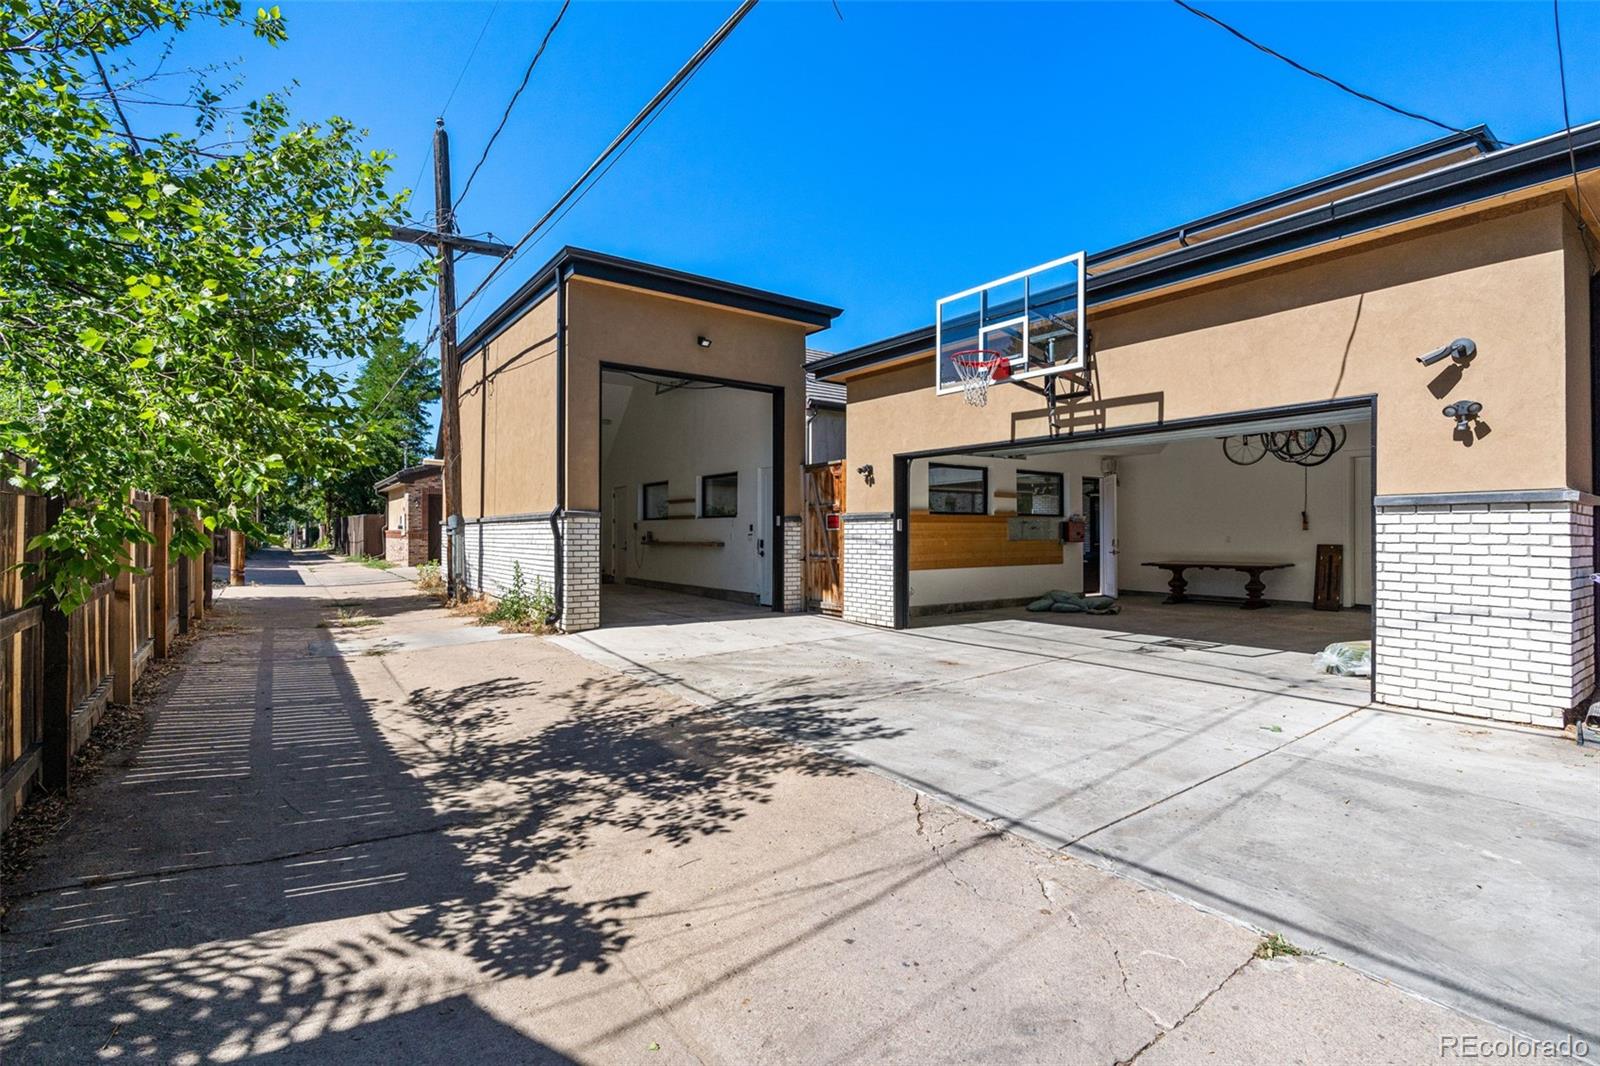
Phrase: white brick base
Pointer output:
(1485, 608)
(580, 591)
(869, 569)
(794, 565)
(494, 546)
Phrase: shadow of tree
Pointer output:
(618, 757)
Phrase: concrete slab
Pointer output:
(1447, 856)
(516, 855)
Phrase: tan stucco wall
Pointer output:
(508, 419)
(610, 324)
(1344, 325)
(396, 507)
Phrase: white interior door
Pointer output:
(761, 534)
(1108, 534)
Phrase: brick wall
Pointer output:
(794, 565)
(495, 546)
(1485, 607)
(580, 546)
(869, 569)
(492, 547)
(409, 547)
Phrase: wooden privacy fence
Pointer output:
(59, 671)
(364, 535)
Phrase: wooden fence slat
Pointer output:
(160, 579)
(55, 706)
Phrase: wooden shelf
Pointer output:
(680, 499)
(653, 542)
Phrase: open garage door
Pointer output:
(1251, 531)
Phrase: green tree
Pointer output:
(169, 302)
(392, 395)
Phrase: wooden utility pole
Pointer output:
(236, 547)
(447, 244)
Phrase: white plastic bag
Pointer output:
(1351, 658)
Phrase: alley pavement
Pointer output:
(361, 829)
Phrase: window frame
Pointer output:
(982, 492)
(644, 501)
(1061, 496)
(707, 479)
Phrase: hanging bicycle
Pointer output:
(1303, 447)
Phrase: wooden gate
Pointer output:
(824, 534)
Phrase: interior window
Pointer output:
(1040, 493)
(719, 496)
(654, 504)
(957, 489)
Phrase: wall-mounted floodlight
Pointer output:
(705, 342)
(1462, 349)
(1463, 411)
(865, 470)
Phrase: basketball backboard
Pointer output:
(1033, 318)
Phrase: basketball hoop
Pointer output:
(977, 369)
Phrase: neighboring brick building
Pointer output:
(412, 514)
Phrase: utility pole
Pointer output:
(447, 244)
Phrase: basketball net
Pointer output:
(977, 369)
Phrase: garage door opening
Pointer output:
(687, 498)
(1255, 534)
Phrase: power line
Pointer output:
(643, 118)
(470, 54)
(513, 101)
(1336, 83)
(613, 161)
(1566, 120)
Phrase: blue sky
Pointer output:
(908, 150)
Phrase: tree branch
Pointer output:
(133, 141)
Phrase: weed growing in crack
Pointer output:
(1275, 946)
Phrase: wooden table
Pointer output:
(1253, 588)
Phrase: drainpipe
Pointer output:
(559, 591)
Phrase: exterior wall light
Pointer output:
(1461, 350)
(704, 342)
(1463, 411)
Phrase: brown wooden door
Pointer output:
(824, 533)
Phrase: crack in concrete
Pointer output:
(1123, 970)
(1190, 1013)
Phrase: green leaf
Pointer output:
(91, 339)
(139, 363)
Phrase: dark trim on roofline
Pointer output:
(1507, 170)
(572, 262)
(410, 473)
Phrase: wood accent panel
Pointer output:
(954, 541)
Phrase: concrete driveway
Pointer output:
(1454, 858)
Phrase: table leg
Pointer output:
(1253, 600)
(1176, 585)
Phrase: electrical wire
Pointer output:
(1566, 120)
(470, 54)
(642, 119)
(556, 222)
(506, 115)
(1336, 83)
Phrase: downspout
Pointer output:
(561, 447)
